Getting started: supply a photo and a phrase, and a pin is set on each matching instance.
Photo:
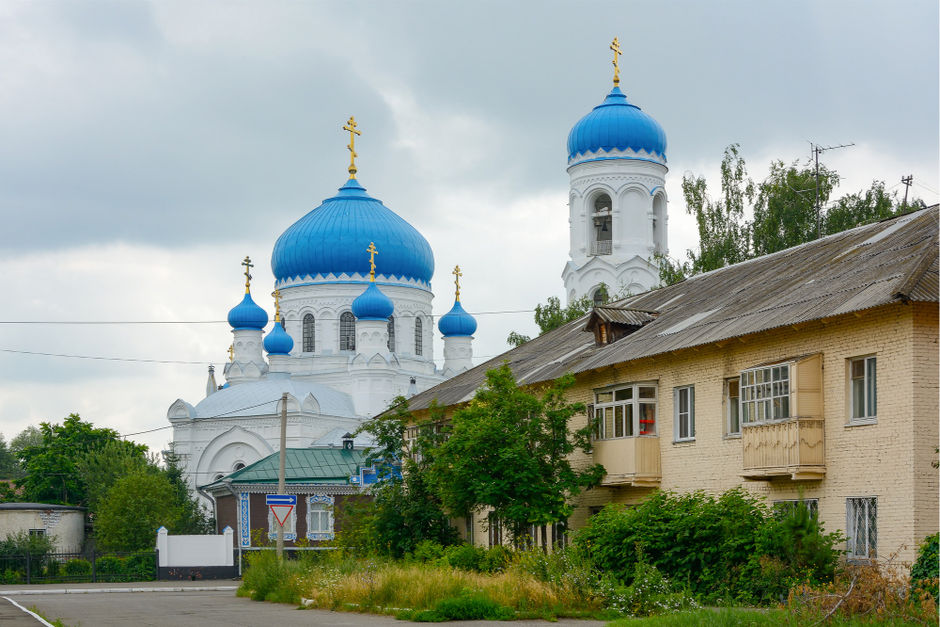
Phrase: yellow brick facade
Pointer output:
(890, 459)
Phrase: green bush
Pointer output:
(140, 567)
(464, 556)
(564, 568)
(496, 559)
(925, 573)
(649, 594)
(470, 607)
(428, 551)
(270, 579)
(109, 565)
(77, 568)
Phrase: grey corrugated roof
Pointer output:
(857, 269)
(302, 465)
(624, 315)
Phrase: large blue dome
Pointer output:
(247, 315)
(332, 239)
(457, 322)
(616, 124)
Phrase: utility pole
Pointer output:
(906, 180)
(816, 149)
(282, 457)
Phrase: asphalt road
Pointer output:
(168, 606)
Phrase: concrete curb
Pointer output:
(110, 590)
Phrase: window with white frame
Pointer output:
(391, 334)
(347, 331)
(863, 390)
(290, 525)
(861, 527)
(733, 406)
(787, 507)
(625, 411)
(320, 517)
(309, 333)
(419, 336)
(684, 404)
(765, 393)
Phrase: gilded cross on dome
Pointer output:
(248, 266)
(615, 46)
(351, 127)
(277, 304)
(373, 251)
(457, 274)
(231, 352)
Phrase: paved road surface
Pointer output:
(171, 604)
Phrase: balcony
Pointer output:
(602, 247)
(793, 448)
(630, 461)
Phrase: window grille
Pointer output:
(309, 333)
(391, 334)
(419, 336)
(864, 393)
(347, 331)
(861, 527)
(765, 394)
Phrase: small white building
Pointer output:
(65, 524)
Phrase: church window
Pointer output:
(309, 333)
(602, 222)
(238, 466)
(391, 333)
(283, 323)
(347, 331)
(602, 203)
(419, 336)
(625, 411)
(600, 295)
(290, 525)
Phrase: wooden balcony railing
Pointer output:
(793, 447)
(630, 461)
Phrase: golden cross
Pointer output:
(615, 46)
(457, 274)
(248, 266)
(373, 251)
(277, 304)
(351, 127)
(231, 352)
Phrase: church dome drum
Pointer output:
(329, 241)
(616, 124)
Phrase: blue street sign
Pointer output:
(280, 499)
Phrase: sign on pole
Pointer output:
(281, 506)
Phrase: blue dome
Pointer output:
(277, 341)
(457, 322)
(617, 124)
(333, 239)
(247, 315)
(372, 304)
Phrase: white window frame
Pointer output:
(323, 506)
(686, 432)
(869, 382)
(290, 525)
(784, 504)
(763, 391)
(733, 406)
(624, 406)
(861, 527)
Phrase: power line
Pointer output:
(225, 413)
(101, 358)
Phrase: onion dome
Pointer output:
(277, 341)
(457, 322)
(616, 124)
(247, 315)
(372, 304)
(328, 240)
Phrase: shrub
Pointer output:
(925, 573)
(77, 568)
(567, 568)
(649, 594)
(473, 607)
(428, 551)
(270, 579)
(496, 559)
(109, 565)
(140, 567)
(464, 556)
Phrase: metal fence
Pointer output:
(78, 567)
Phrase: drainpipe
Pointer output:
(228, 484)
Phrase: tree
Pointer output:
(405, 508)
(722, 229)
(860, 208)
(30, 436)
(194, 520)
(785, 212)
(9, 464)
(51, 467)
(508, 451)
(134, 508)
(99, 468)
(552, 315)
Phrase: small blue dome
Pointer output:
(372, 304)
(247, 315)
(617, 124)
(333, 239)
(277, 341)
(457, 322)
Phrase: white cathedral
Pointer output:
(353, 326)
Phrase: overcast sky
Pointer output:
(146, 148)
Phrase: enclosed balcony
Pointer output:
(793, 448)
(630, 461)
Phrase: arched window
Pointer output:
(600, 295)
(419, 336)
(602, 221)
(391, 333)
(310, 333)
(347, 331)
(602, 203)
(238, 466)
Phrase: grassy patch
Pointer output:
(57, 622)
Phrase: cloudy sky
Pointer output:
(146, 148)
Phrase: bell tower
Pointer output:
(617, 201)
